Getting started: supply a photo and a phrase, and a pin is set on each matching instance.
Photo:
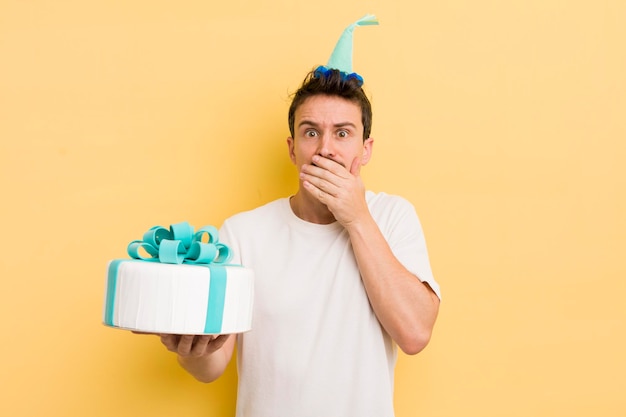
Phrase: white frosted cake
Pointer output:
(183, 286)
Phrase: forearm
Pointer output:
(405, 307)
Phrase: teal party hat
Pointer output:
(341, 58)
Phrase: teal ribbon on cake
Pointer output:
(181, 245)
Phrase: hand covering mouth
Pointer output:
(340, 163)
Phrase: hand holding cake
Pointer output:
(193, 345)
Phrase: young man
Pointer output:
(342, 275)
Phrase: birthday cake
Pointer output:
(179, 281)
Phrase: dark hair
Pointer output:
(332, 83)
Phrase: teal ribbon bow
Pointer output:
(180, 244)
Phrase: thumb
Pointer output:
(355, 167)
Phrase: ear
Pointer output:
(368, 147)
(290, 146)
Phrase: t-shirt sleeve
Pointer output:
(403, 230)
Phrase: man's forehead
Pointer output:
(328, 109)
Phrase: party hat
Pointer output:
(341, 58)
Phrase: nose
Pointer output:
(326, 148)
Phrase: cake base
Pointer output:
(153, 297)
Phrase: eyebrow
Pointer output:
(340, 124)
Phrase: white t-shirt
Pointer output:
(316, 347)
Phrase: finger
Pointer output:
(314, 190)
(219, 341)
(320, 181)
(185, 344)
(355, 168)
(328, 164)
(170, 341)
(314, 171)
(204, 344)
(200, 344)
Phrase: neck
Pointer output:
(309, 209)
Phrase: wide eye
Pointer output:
(310, 133)
(343, 134)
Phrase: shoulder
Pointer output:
(395, 215)
(257, 217)
(381, 203)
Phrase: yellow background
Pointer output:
(504, 122)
